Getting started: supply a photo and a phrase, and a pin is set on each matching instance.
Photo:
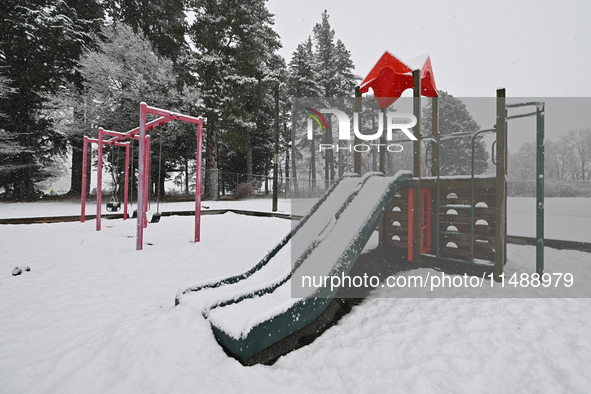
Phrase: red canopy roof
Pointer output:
(390, 77)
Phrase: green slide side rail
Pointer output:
(305, 311)
(236, 278)
(280, 281)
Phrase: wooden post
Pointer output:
(357, 155)
(501, 199)
(383, 141)
(434, 170)
(416, 233)
(434, 133)
(383, 228)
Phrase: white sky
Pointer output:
(532, 48)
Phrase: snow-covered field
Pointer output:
(565, 218)
(95, 316)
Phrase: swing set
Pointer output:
(139, 133)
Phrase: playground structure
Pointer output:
(459, 220)
(139, 133)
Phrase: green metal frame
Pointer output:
(472, 194)
(539, 114)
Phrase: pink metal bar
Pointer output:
(141, 179)
(126, 191)
(198, 182)
(83, 190)
(147, 184)
(99, 179)
(173, 115)
(113, 134)
(133, 132)
(95, 141)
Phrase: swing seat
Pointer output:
(156, 217)
(113, 206)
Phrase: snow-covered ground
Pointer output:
(50, 208)
(565, 218)
(95, 316)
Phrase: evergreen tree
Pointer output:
(333, 64)
(236, 71)
(162, 22)
(344, 80)
(325, 57)
(41, 42)
(456, 151)
(319, 67)
(334, 70)
(301, 77)
(123, 72)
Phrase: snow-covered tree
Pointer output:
(579, 141)
(302, 80)
(456, 152)
(321, 67)
(236, 70)
(333, 64)
(162, 22)
(120, 74)
(41, 42)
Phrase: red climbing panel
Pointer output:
(425, 222)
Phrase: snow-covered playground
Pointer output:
(94, 315)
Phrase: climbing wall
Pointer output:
(454, 218)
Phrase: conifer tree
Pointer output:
(454, 117)
(236, 72)
(41, 42)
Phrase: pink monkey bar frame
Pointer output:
(139, 133)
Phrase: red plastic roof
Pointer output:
(390, 77)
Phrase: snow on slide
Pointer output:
(248, 321)
(277, 263)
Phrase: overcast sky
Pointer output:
(531, 48)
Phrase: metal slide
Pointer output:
(251, 319)
(274, 265)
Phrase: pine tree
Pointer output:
(335, 77)
(456, 157)
(236, 72)
(319, 67)
(345, 80)
(162, 22)
(301, 77)
(325, 57)
(41, 42)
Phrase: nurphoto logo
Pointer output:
(395, 121)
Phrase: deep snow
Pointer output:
(95, 316)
